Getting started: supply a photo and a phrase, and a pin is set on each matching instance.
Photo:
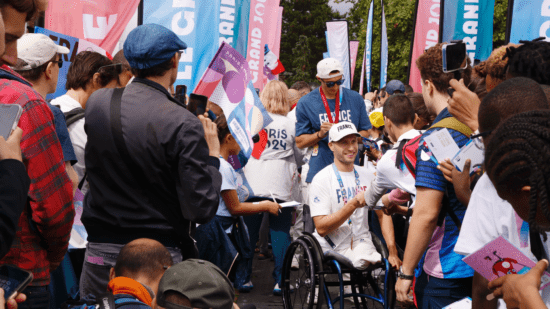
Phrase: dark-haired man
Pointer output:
(152, 165)
(488, 216)
(44, 227)
(399, 120)
(437, 215)
(125, 75)
(134, 280)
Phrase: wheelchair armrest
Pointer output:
(379, 245)
(309, 225)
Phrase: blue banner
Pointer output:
(368, 47)
(383, 51)
(197, 24)
(234, 21)
(326, 55)
(530, 20)
(471, 23)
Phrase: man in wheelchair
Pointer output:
(338, 211)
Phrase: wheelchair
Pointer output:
(316, 271)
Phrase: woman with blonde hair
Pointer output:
(272, 173)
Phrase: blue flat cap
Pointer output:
(149, 45)
(394, 85)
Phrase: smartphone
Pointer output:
(181, 91)
(197, 104)
(9, 118)
(13, 280)
(454, 56)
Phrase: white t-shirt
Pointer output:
(488, 217)
(325, 198)
(275, 169)
(77, 134)
(388, 176)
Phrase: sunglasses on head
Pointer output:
(117, 67)
(338, 82)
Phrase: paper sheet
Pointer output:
(472, 152)
(442, 145)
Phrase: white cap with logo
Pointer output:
(37, 49)
(325, 66)
(341, 130)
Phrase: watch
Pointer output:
(401, 275)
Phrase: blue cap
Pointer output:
(394, 85)
(149, 45)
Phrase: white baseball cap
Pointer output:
(37, 49)
(325, 66)
(341, 130)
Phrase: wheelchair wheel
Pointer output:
(299, 287)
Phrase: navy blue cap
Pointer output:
(149, 45)
(394, 85)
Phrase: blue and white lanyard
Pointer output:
(342, 188)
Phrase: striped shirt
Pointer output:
(441, 261)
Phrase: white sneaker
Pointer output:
(278, 292)
(295, 263)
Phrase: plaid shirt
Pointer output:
(50, 193)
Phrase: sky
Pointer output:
(341, 7)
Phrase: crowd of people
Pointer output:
(174, 212)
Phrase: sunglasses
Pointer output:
(117, 67)
(60, 63)
(478, 139)
(331, 84)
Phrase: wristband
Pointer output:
(401, 275)
(318, 135)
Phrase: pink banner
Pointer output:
(426, 35)
(262, 30)
(101, 22)
(274, 43)
(277, 47)
(353, 49)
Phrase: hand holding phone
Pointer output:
(197, 104)
(13, 280)
(11, 149)
(9, 118)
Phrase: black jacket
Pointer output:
(14, 187)
(178, 179)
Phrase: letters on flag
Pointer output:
(426, 35)
(100, 22)
(530, 20)
(228, 83)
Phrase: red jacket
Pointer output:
(39, 247)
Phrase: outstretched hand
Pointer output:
(522, 290)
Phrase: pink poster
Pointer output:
(426, 35)
(274, 43)
(100, 22)
(353, 49)
(262, 29)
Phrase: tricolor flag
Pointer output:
(228, 82)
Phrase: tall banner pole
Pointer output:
(383, 51)
(412, 41)
(368, 48)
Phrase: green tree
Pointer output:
(300, 55)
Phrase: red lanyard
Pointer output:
(327, 108)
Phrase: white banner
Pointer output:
(338, 47)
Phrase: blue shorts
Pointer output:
(432, 292)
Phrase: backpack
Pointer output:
(71, 116)
(408, 151)
(106, 301)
